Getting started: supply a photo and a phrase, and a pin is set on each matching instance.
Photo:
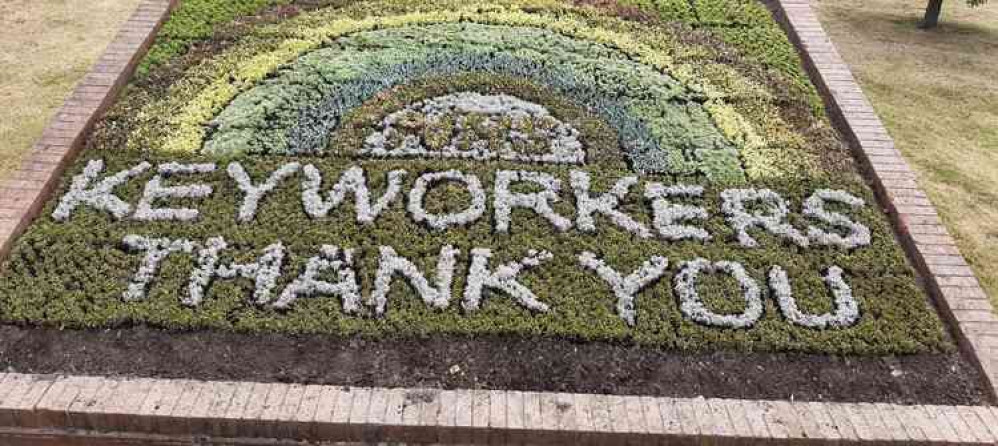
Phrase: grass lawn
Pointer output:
(45, 47)
(936, 93)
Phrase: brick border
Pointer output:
(173, 410)
(49, 409)
(62, 437)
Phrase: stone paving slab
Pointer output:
(77, 410)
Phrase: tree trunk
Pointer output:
(932, 14)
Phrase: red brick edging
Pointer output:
(184, 408)
(59, 410)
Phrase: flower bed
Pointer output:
(652, 172)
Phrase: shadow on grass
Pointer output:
(901, 26)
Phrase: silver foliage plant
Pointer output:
(643, 145)
(528, 124)
(352, 181)
(814, 206)
(253, 193)
(625, 288)
(539, 202)
(436, 295)
(587, 205)
(502, 278)
(668, 216)
(735, 208)
(264, 272)
(98, 196)
(693, 307)
(156, 249)
(309, 284)
(744, 209)
(846, 311)
(332, 260)
(145, 210)
(474, 211)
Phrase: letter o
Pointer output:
(692, 306)
(443, 221)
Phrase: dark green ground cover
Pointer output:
(72, 274)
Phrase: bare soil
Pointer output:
(496, 363)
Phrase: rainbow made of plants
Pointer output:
(652, 172)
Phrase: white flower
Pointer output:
(667, 216)
(846, 307)
(391, 263)
(175, 168)
(440, 222)
(99, 196)
(308, 284)
(735, 210)
(625, 288)
(264, 272)
(539, 202)
(207, 264)
(155, 190)
(692, 306)
(254, 193)
(157, 249)
(586, 205)
(525, 124)
(814, 206)
(352, 181)
(503, 278)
